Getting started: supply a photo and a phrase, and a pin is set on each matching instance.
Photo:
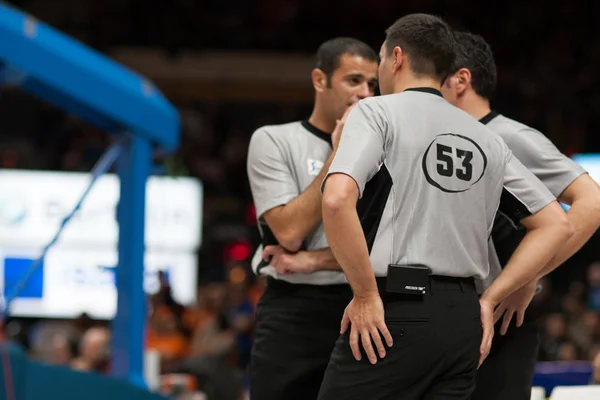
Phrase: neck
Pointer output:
(474, 105)
(409, 81)
(319, 119)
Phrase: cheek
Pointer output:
(344, 91)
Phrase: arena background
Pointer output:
(230, 67)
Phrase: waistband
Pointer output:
(436, 283)
(278, 284)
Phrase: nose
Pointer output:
(364, 91)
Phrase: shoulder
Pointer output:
(275, 132)
(375, 108)
(509, 129)
(277, 135)
(524, 140)
(371, 104)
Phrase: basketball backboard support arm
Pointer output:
(48, 64)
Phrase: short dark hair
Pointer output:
(475, 54)
(428, 42)
(330, 52)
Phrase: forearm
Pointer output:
(292, 223)
(584, 217)
(324, 260)
(348, 245)
(534, 252)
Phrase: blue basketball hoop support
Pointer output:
(42, 61)
(129, 323)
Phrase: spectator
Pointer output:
(63, 350)
(94, 351)
(567, 351)
(554, 336)
(166, 337)
(593, 275)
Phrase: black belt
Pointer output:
(438, 283)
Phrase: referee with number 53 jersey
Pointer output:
(428, 179)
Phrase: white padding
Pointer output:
(538, 393)
(575, 393)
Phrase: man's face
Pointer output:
(355, 79)
(386, 71)
(450, 89)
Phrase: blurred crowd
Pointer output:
(547, 58)
(571, 321)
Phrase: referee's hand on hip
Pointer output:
(365, 316)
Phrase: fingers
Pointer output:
(354, 343)
(345, 323)
(268, 252)
(488, 333)
(345, 116)
(365, 337)
(520, 318)
(499, 311)
(486, 345)
(506, 321)
(378, 343)
(372, 335)
(275, 263)
(386, 334)
(281, 262)
(482, 358)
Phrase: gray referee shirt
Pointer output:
(431, 179)
(541, 157)
(283, 160)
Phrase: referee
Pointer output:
(297, 321)
(430, 179)
(508, 371)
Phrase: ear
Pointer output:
(398, 57)
(319, 80)
(463, 80)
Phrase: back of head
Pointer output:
(475, 54)
(427, 41)
(329, 54)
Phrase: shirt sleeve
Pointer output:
(523, 194)
(361, 151)
(536, 152)
(269, 173)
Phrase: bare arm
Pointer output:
(324, 260)
(345, 234)
(583, 195)
(546, 231)
(298, 218)
(303, 262)
(293, 222)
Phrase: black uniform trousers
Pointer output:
(437, 337)
(296, 329)
(507, 372)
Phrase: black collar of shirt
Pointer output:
(489, 117)
(316, 131)
(429, 90)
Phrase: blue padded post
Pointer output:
(129, 323)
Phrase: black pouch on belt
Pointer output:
(408, 279)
